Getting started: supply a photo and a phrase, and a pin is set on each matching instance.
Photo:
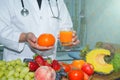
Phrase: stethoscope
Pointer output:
(25, 12)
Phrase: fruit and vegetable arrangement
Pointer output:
(100, 63)
(45, 69)
(105, 59)
(15, 70)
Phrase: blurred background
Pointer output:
(95, 20)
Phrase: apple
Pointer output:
(45, 73)
(88, 68)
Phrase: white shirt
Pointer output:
(12, 24)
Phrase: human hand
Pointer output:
(75, 40)
(31, 39)
(68, 39)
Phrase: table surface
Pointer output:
(63, 56)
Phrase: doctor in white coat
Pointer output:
(22, 21)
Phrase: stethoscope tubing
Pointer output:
(22, 4)
(57, 17)
(25, 12)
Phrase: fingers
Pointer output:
(74, 33)
(41, 48)
(36, 46)
(31, 37)
(76, 42)
(75, 39)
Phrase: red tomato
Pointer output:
(88, 69)
(76, 75)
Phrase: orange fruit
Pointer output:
(77, 63)
(46, 40)
(66, 67)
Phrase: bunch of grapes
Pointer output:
(60, 74)
(15, 70)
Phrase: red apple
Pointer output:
(88, 68)
(45, 73)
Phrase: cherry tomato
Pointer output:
(76, 75)
(88, 69)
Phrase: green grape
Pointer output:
(1, 73)
(11, 78)
(2, 63)
(15, 70)
(8, 63)
(24, 64)
(18, 68)
(18, 61)
(16, 78)
(3, 78)
(11, 63)
(6, 72)
(2, 68)
(25, 70)
(22, 75)
(10, 73)
(10, 67)
(27, 77)
(16, 74)
(31, 74)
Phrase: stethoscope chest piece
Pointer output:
(24, 12)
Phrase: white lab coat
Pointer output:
(12, 24)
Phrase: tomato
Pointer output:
(46, 40)
(88, 69)
(76, 75)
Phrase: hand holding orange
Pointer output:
(46, 40)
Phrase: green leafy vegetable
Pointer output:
(116, 62)
(84, 51)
